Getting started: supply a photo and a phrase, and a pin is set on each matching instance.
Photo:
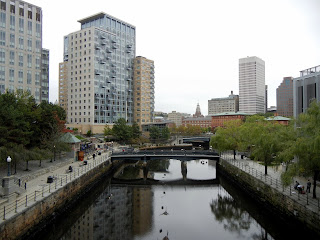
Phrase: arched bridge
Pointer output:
(183, 155)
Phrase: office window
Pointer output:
(2, 19)
(20, 76)
(12, 40)
(29, 13)
(21, 11)
(11, 60)
(29, 44)
(12, 7)
(29, 27)
(29, 59)
(2, 38)
(21, 25)
(38, 30)
(2, 56)
(12, 22)
(2, 73)
(11, 75)
(29, 80)
(21, 43)
(37, 78)
(20, 59)
(37, 63)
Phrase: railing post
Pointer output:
(42, 190)
(35, 195)
(290, 190)
(4, 212)
(56, 184)
(49, 187)
(26, 200)
(16, 210)
(307, 199)
(61, 182)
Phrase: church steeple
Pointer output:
(198, 112)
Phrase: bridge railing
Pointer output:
(167, 152)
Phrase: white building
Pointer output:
(252, 90)
(220, 105)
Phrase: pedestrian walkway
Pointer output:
(35, 181)
(273, 178)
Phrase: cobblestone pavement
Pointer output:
(273, 178)
(34, 182)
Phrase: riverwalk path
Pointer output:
(273, 178)
(34, 183)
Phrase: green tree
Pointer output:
(121, 130)
(135, 131)
(154, 133)
(307, 146)
(165, 133)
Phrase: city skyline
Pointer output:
(196, 50)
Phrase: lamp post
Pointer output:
(9, 162)
(54, 152)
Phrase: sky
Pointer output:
(196, 45)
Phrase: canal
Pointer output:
(201, 210)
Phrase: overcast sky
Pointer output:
(196, 45)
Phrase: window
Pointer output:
(11, 75)
(20, 59)
(2, 19)
(29, 12)
(29, 27)
(3, 5)
(2, 74)
(37, 63)
(12, 40)
(30, 44)
(21, 43)
(29, 59)
(21, 10)
(38, 30)
(2, 56)
(29, 81)
(11, 58)
(2, 38)
(37, 78)
(21, 25)
(20, 76)
(12, 22)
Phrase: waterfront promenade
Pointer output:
(35, 183)
(273, 179)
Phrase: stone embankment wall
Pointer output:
(22, 223)
(272, 198)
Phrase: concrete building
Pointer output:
(99, 60)
(252, 90)
(63, 86)
(175, 117)
(227, 104)
(285, 97)
(306, 88)
(143, 90)
(21, 55)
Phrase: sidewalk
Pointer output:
(36, 180)
(274, 180)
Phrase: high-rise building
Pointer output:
(21, 55)
(63, 86)
(252, 85)
(99, 60)
(143, 90)
(306, 89)
(220, 105)
(285, 98)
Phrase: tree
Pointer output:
(135, 131)
(89, 133)
(121, 130)
(227, 137)
(154, 133)
(165, 133)
(307, 145)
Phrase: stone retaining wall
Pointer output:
(270, 197)
(44, 208)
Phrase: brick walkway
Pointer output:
(36, 181)
(273, 179)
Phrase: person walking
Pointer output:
(308, 186)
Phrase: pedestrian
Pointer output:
(308, 186)
(93, 156)
(25, 186)
(296, 185)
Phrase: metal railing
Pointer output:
(305, 200)
(44, 190)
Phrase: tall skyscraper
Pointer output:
(143, 90)
(285, 97)
(252, 85)
(21, 55)
(99, 60)
(306, 89)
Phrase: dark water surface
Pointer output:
(195, 212)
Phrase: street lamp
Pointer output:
(8, 161)
(54, 152)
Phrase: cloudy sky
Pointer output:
(196, 45)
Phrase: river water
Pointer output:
(195, 211)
